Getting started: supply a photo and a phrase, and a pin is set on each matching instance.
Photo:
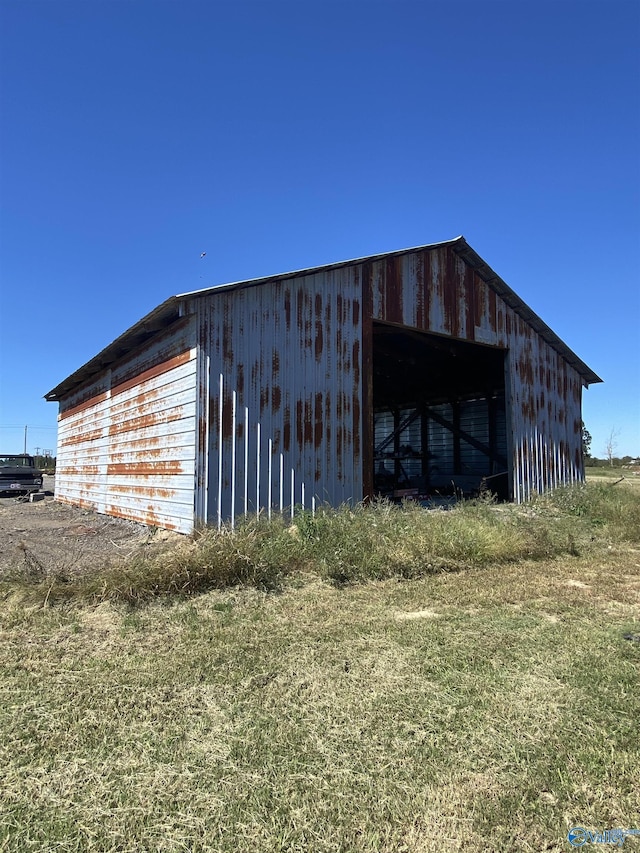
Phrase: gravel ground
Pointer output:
(64, 538)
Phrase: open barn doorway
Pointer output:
(440, 422)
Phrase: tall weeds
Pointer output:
(356, 544)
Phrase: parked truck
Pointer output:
(19, 474)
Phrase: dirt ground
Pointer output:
(63, 538)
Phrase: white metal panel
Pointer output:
(129, 449)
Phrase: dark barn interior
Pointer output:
(439, 416)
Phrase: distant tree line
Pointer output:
(614, 462)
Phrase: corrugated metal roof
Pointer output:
(170, 310)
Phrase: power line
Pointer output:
(22, 426)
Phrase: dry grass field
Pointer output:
(630, 476)
(469, 698)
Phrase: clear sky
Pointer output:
(275, 135)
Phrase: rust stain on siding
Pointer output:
(492, 307)
(276, 398)
(355, 361)
(479, 300)
(145, 451)
(145, 469)
(525, 368)
(145, 421)
(227, 417)
(355, 309)
(80, 470)
(305, 318)
(81, 407)
(308, 421)
(393, 290)
(276, 392)
(202, 432)
(83, 503)
(367, 384)
(450, 296)
(469, 303)
(317, 431)
(151, 353)
(286, 432)
(421, 295)
(148, 517)
(142, 491)
(80, 437)
(152, 372)
(227, 337)
(500, 323)
(327, 426)
(355, 408)
(319, 341)
(287, 308)
(299, 424)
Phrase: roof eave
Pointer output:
(170, 310)
(133, 337)
(487, 274)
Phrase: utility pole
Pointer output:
(25, 440)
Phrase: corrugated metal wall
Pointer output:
(126, 441)
(140, 439)
(435, 291)
(291, 349)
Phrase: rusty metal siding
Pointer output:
(127, 440)
(140, 437)
(545, 414)
(292, 351)
(436, 291)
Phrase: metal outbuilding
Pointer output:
(413, 373)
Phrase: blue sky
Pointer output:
(278, 135)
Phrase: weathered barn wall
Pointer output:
(139, 424)
(126, 440)
(292, 351)
(435, 290)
